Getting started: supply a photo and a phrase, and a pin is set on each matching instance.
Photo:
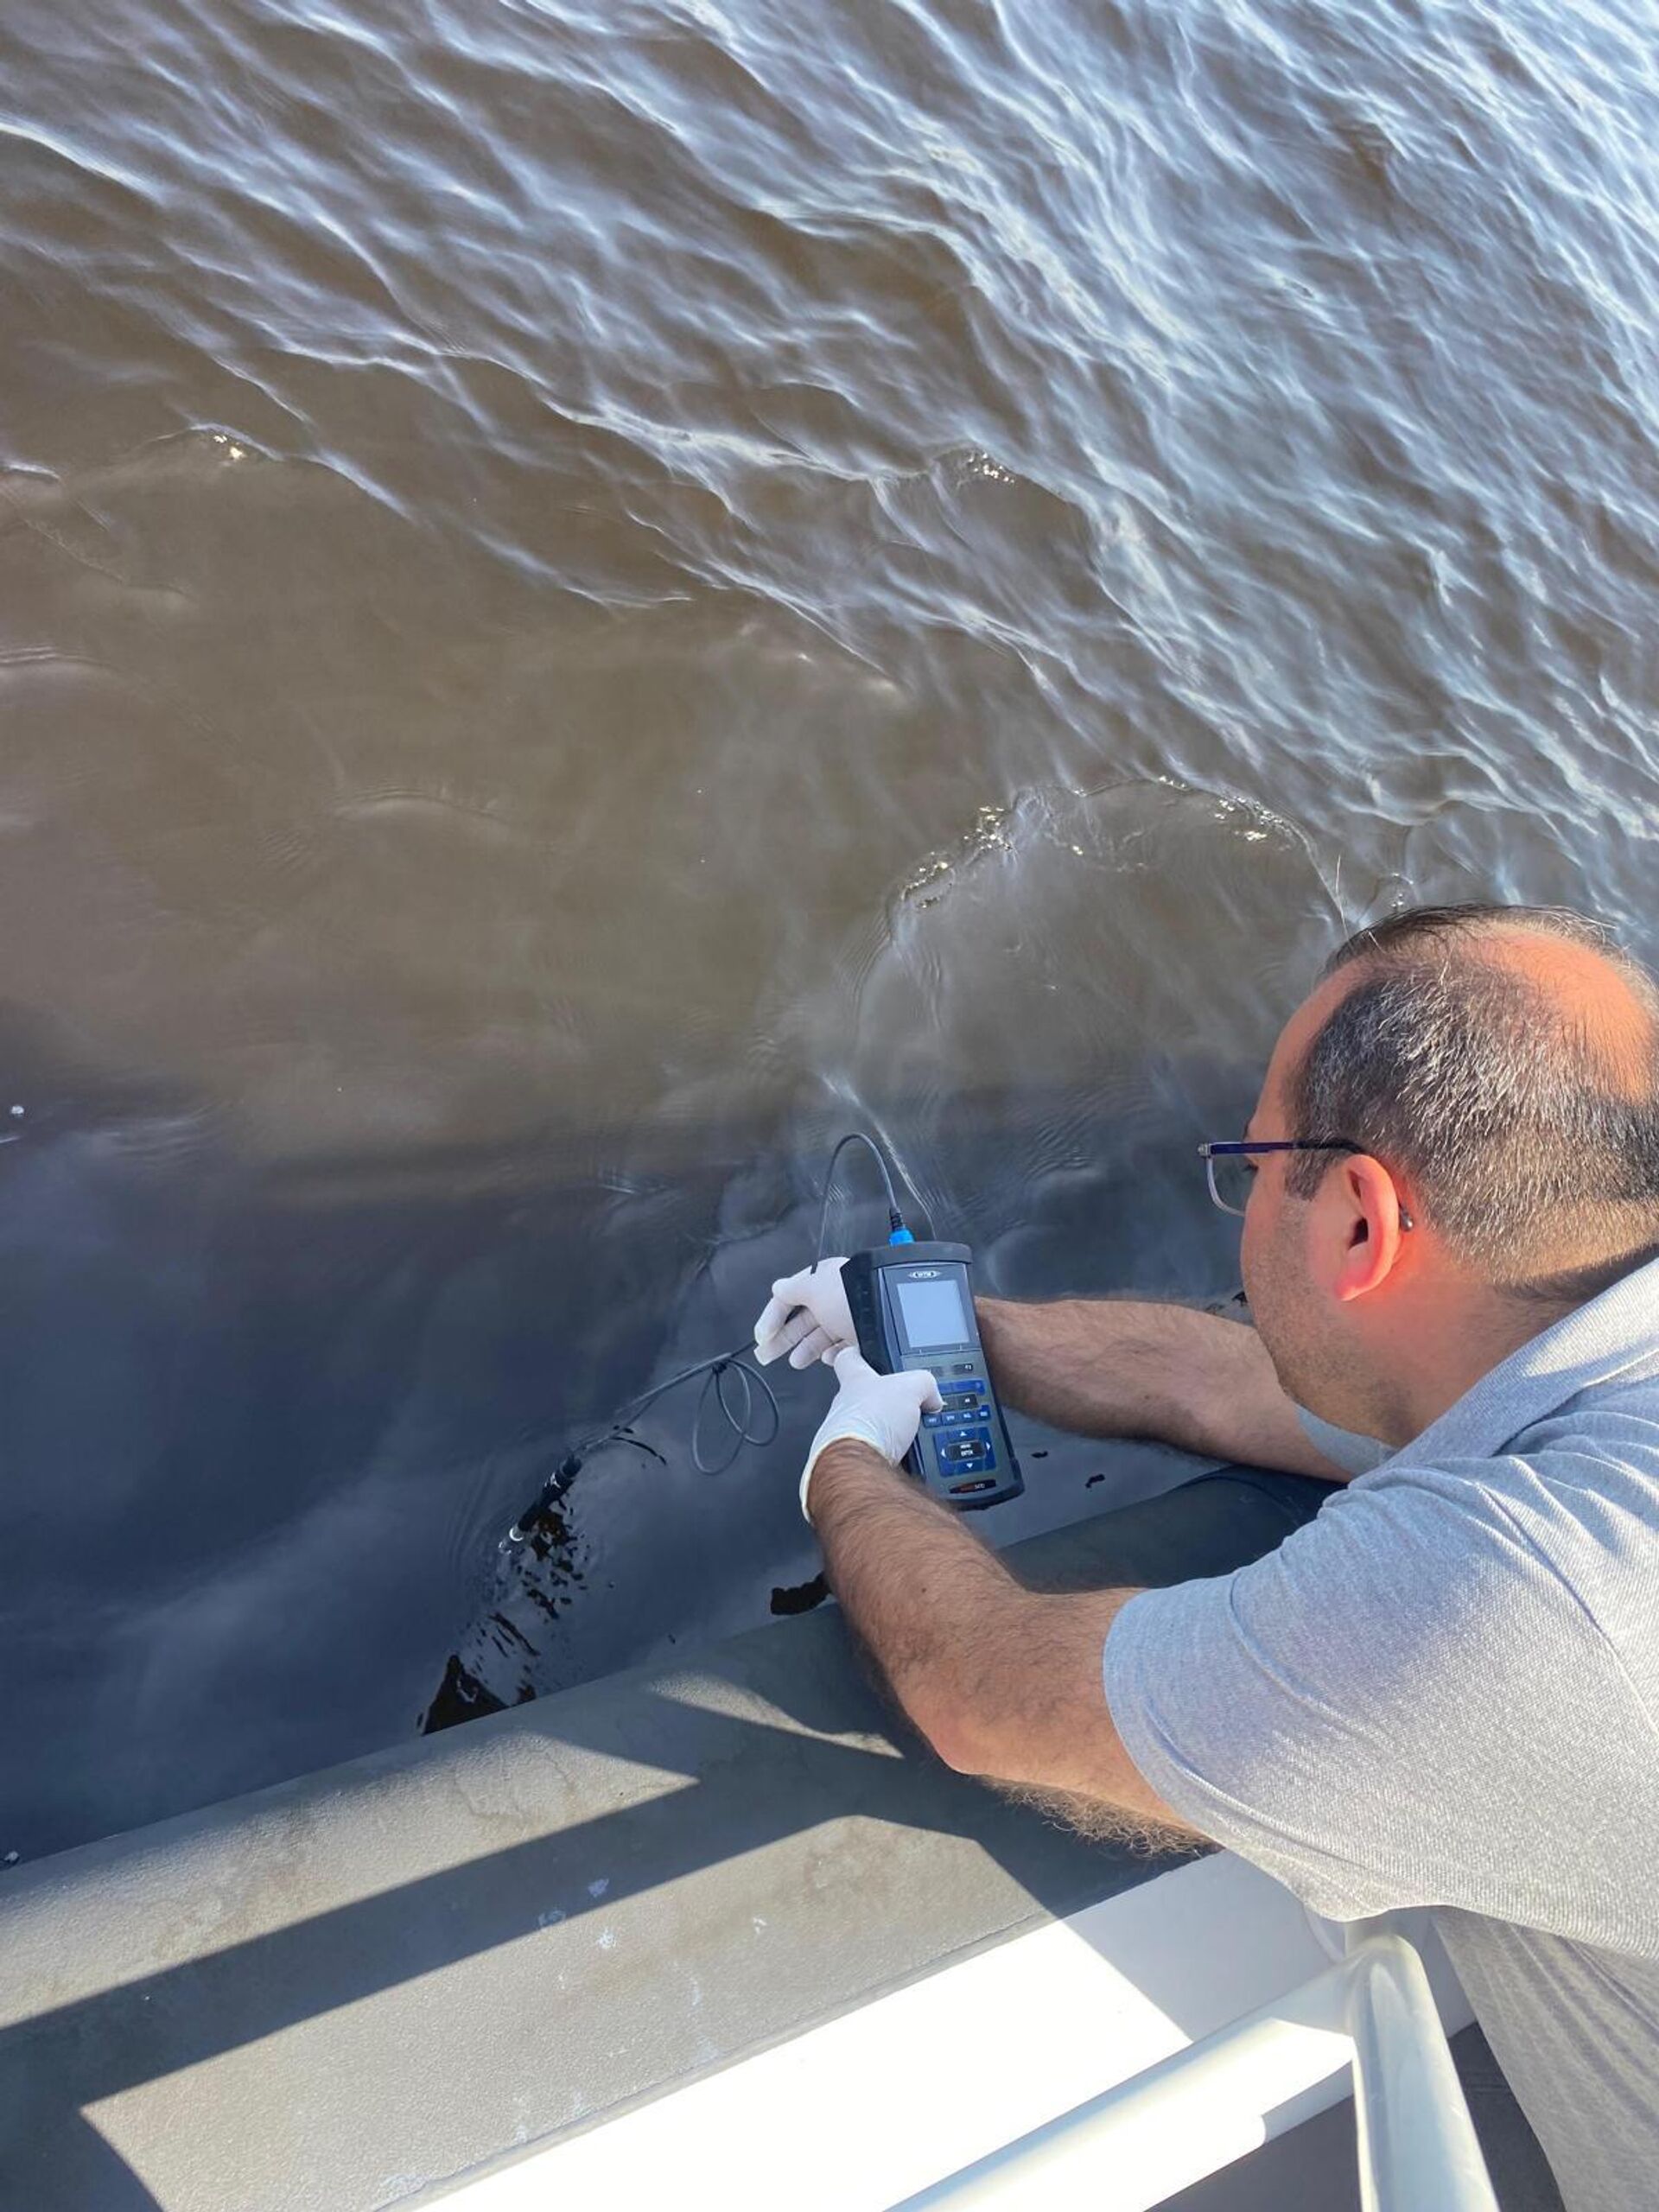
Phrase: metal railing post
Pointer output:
(1418, 2151)
(1202, 2108)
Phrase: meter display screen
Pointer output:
(933, 1312)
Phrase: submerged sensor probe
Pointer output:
(913, 1305)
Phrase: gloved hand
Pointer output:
(818, 1331)
(883, 1410)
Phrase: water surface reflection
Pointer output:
(590, 597)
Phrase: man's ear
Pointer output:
(1366, 1214)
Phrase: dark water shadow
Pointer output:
(267, 1420)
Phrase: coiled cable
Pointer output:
(752, 1393)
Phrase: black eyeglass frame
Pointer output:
(1235, 1147)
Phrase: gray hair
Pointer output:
(1524, 1135)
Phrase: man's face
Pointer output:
(1300, 1328)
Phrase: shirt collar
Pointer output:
(1592, 1344)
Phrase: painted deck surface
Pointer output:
(357, 1986)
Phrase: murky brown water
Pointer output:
(588, 597)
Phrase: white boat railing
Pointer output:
(1195, 2112)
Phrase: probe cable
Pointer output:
(751, 1394)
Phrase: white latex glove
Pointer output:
(818, 1331)
(883, 1410)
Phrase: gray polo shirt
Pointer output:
(1444, 1690)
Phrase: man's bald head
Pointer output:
(1504, 1063)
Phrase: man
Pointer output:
(1443, 1687)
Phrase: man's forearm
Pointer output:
(1002, 1681)
(1133, 1367)
(921, 1591)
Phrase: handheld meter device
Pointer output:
(913, 1305)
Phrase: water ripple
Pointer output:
(587, 591)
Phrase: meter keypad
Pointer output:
(966, 1454)
(961, 1437)
(965, 1405)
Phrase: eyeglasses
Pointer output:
(1229, 1174)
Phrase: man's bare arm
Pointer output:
(1131, 1367)
(1002, 1681)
